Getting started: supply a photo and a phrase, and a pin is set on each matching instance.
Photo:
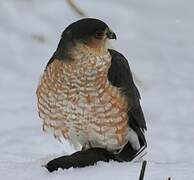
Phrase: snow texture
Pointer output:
(157, 38)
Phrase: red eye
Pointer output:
(99, 34)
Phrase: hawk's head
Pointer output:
(88, 28)
(92, 32)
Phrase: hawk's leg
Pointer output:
(129, 154)
(86, 146)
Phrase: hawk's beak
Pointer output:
(111, 35)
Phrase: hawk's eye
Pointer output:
(99, 34)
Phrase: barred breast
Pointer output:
(76, 99)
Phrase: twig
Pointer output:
(76, 8)
(142, 170)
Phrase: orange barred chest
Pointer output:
(78, 102)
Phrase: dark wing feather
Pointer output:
(51, 60)
(120, 76)
(60, 53)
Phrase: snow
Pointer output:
(157, 38)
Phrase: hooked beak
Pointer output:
(111, 35)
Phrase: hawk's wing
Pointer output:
(120, 76)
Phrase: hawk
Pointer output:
(87, 94)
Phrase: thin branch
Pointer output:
(142, 170)
(76, 8)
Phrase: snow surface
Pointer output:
(157, 38)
